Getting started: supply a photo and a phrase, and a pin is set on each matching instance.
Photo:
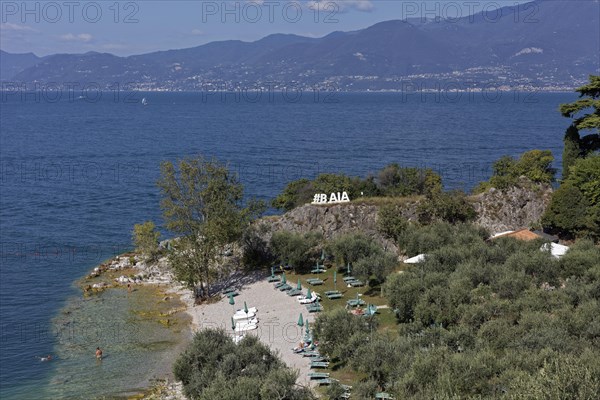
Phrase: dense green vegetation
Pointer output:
(450, 206)
(535, 165)
(574, 210)
(213, 367)
(575, 207)
(392, 180)
(296, 250)
(370, 262)
(585, 113)
(479, 319)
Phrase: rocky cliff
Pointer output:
(331, 221)
(513, 208)
(497, 211)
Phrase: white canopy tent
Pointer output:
(415, 259)
(557, 250)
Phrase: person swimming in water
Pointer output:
(47, 358)
(98, 353)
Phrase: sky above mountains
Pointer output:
(135, 27)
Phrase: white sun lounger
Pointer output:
(250, 310)
(246, 328)
(238, 317)
(304, 300)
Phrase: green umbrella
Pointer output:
(283, 280)
(299, 285)
(231, 300)
(322, 255)
(245, 308)
(349, 269)
(232, 324)
(308, 294)
(307, 328)
(272, 272)
(300, 321)
(334, 280)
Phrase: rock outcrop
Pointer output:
(331, 221)
(513, 208)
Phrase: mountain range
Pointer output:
(544, 44)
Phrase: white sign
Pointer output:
(322, 198)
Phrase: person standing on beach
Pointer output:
(98, 353)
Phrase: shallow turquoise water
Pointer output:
(136, 346)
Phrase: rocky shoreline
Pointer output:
(129, 270)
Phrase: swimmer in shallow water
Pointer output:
(47, 358)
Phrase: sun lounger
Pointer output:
(250, 310)
(304, 300)
(242, 323)
(231, 292)
(356, 283)
(285, 287)
(314, 308)
(294, 292)
(355, 303)
(278, 285)
(311, 354)
(327, 293)
(244, 317)
(314, 282)
(318, 375)
(333, 296)
(272, 279)
(319, 364)
(317, 270)
(326, 381)
(246, 328)
(383, 395)
(349, 278)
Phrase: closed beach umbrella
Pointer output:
(307, 328)
(322, 255)
(245, 308)
(308, 294)
(334, 280)
(300, 321)
(283, 280)
(272, 272)
(232, 324)
(231, 300)
(349, 269)
(299, 285)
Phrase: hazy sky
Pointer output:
(133, 27)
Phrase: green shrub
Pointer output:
(145, 239)
(535, 165)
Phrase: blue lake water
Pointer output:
(77, 174)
